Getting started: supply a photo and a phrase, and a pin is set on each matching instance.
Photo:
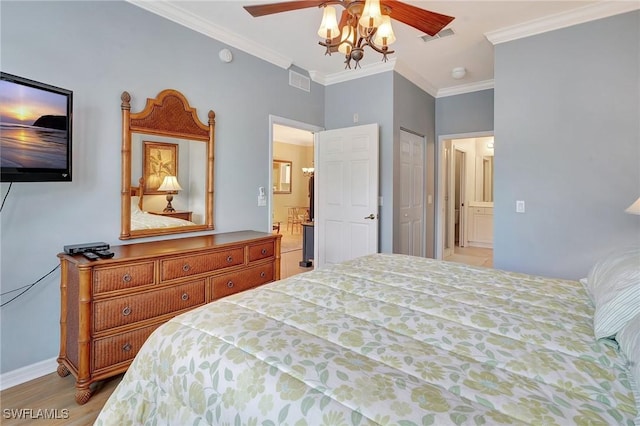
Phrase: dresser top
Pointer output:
(174, 246)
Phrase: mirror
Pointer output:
(282, 177)
(487, 178)
(167, 168)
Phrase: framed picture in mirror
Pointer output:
(159, 160)
(282, 176)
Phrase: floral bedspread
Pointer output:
(383, 339)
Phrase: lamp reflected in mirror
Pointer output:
(171, 186)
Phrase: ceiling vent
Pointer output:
(444, 33)
(300, 81)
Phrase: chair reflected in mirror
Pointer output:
(296, 216)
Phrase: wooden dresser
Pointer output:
(110, 306)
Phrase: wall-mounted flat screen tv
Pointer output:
(35, 131)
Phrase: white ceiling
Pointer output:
(290, 38)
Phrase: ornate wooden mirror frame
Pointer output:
(167, 116)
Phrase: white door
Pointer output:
(346, 196)
(458, 196)
(412, 212)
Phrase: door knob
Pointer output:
(371, 216)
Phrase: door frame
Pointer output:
(283, 121)
(440, 192)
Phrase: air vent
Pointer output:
(299, 81)
(447, 32)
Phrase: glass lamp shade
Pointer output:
(634, 208)
(371, 15)
(384, 36)
(170, 184)
(348, 35)
(329, 25)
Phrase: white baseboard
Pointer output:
(30, 372)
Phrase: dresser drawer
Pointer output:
(198, 264)
(129, 309)
(226, 285)
(261, 251)
(122, 347)
(122, 277)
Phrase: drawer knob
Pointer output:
(263, 251)
(230, 284)
(126, 311)
(229, 259)
(126, 347)
(185, 296)
(263, 274)
(126, 278)
(186, 267)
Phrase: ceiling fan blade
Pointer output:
(423, 20)
(268, 9)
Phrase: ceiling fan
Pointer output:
(362, 23)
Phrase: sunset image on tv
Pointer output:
(33, 127)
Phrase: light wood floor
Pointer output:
(56, 394)
(472, 256)
(54, 398)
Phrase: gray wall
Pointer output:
(372, 106)
(568, 144)
(99, 49)
(466, 113)
(414, 110)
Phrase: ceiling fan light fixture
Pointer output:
(347, 40)
(384, 35)
(329, 25)
(371, 14)
(362, 24)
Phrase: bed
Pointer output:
(141, 219)
(393, 339)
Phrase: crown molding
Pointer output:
(584, 14)
(178, 15)
(465, 88)
(352, 74)
(404, 70)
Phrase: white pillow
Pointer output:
(629, 342)
(614, 287)
(134, 205)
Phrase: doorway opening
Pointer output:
(464, 210)
(290, 206)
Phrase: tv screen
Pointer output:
(35, 131)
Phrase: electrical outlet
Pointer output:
(519, 206)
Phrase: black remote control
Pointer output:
(91, 256)
(104, 253)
